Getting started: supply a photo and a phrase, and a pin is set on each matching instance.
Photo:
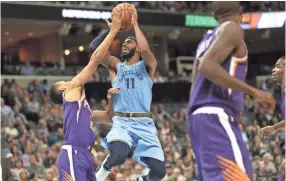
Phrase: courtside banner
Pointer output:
(41, 12)
(248, 21)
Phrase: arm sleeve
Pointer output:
(97, 41)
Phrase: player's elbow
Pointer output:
(97, 57)
(205, 69)
(202, 68)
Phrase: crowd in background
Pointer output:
(178, 6)
(32, 134)
(101, 75)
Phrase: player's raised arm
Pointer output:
(109, 61)
(98, 55)
(228, 39)
(106, 116)
(148, 57)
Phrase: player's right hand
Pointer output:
(265, 99)
(112, 91)
(116, 21)
(134, 18)
(267, 131)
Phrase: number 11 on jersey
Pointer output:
(128, 82)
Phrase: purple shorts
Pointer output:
(77, 162)
(215, 134)
(281, 178)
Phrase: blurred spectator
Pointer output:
(35, 167)
(42, 70)
(24, 175)
(27, 69)
(6, 169)
(268, 165)
(6, 111)
(44, 85)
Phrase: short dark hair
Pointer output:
(225, 8)
(131, 38)
(55, 95)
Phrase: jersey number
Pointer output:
(130, 81)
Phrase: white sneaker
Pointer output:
(101, 173)
(141, 177)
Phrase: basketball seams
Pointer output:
(126, 14)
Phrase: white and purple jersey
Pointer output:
(206, 93)
(77, 123)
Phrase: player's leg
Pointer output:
(69, 164)
(148, 149)
(246, 162)
(217, 150)
(119, 152)
(119, 142)
(195, 145)
(157, 169)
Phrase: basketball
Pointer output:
(126, 13)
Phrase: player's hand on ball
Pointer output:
(134, 19)
(267, 131)
(265, 99)
(116, 21)
(112, 91)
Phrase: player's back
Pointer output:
(77, 123)
(207, 93)
(135, 88)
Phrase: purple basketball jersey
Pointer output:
(282, 106)
(78, 123)
(206, 93)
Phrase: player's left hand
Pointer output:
(265, 99)
(116, 21)
(112, 91)
(267, 131)
(134, 18)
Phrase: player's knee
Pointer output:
(119, 153)
(117, 158)
(158, 170)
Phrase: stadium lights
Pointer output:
(67, 52)
(81, 48)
